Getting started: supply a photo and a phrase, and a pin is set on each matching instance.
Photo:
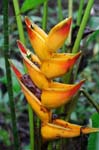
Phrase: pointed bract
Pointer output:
(36, 28)
(58, 66)
(58, 34)
(53, 131)
(56, 97)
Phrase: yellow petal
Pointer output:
(37, 42)
(58, 35)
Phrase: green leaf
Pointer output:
(93, 141)
(29, 4)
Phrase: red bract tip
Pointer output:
(66, 27)
(27, 21)
(21, 47)
(16, 71)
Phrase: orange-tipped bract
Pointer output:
(56, 97)
(58, 66)
(55, 131)
(58, 34)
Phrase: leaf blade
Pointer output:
(93, 141)
(29, 4)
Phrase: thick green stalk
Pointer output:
(45, 15)
(19, 21)
(82, 26)
(31, 125)
(80, 12)
(22, 38)
(60, 15)
(8, 75)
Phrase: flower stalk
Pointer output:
(60, 15)
(70, 12)
(82, 26)
(80, 12)
(19, 20)
(45, 15)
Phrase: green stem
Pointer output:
(70, 12)
(82, 26)
(80, 12)
(8, 75)
(45, 15)
(19, 21)
(31, 125)
(60, 15)
(70, 8)
(71, 106)
(77, 68)
(22, 38)
(66, 78)
(96, 106)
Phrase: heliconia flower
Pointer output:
(43, 113)
(44, 45)
(41, 92)
(62, 129)
(56, 66)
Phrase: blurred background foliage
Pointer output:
(88, 68)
